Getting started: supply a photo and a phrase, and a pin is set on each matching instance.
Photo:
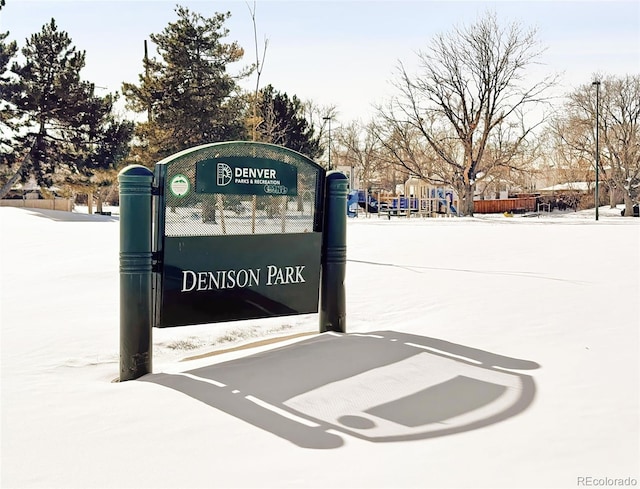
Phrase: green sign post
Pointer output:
(135, 271)
(241, 230)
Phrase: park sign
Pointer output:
(228, 231)
(238, 234)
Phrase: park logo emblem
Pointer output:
(224, 174)
(179, 185)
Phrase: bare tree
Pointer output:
(619, 126)
(571, 135)
(318, 117)
(572, 142)
(358, 147)
(259, 66)
(255, 119)
(405, 149)
(470, 95)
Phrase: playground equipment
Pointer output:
(421, 199)
(361, 199)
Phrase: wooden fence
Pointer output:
(49, 204)
(521, 204)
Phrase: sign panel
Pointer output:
(220, 256)
(225, 278)
(241, 175)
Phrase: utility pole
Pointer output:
(328, 118)
(597, 196)
(146, 79)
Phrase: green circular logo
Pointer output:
(179, 185)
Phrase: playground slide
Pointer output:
(371, 208)
(451, 206)
(352, 204)
(446, 202)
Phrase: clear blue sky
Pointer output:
(341, 53)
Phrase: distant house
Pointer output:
(30, 195)
(572, 187)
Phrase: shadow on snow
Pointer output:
(383, 387)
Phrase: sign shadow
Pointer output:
(382, 386)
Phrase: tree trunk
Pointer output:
(254, 202)
(283, 215)
(628, 205)
(467, 200)
(221, 210)
(613, 197)
(90, 202)
(208, 210)
(7, 186)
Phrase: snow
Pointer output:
(480, 352)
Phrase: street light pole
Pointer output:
(328, 118)
(597, 196)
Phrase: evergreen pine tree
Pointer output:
(66, 121)
(189, 95)
(283, 122)
(8, 117)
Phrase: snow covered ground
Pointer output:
(481, 352)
